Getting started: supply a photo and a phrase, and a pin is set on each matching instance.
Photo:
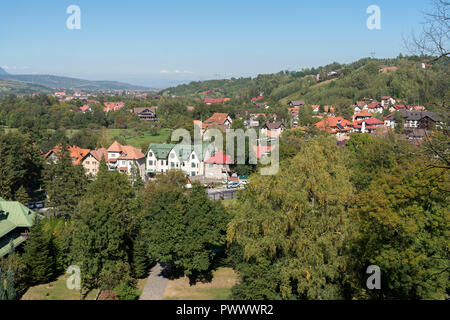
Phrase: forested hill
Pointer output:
(408, 83)
(15, 87)
(57, 82)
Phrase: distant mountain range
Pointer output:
(17, 87)
(58, 82)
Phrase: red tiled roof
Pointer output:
(371, 121)
(219, 158)
(360, 104)
(76, 153)
(216, 119)
(115, 147)
(98, 154)
(126, 152)
(218, 100)
(374, 105)
(363, 113)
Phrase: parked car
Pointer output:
(233, 185)
(39, 205)
(243, 181)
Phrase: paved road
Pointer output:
(155, 286)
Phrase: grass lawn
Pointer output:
(56, 290)
(137, 139)
(218, 289)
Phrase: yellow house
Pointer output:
(91, 161)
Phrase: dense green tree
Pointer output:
(126, 291)
(135, 177)
(20, 163)
(205, 230)
(22, 278)
(404, 223)
(101, 235)
(65, 183)
(184, 229)
(10, 285)
(368, 156)
(22, 196)
(140, 260)
(39, 255)
(3, 295)
(293, 226)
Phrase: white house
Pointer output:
(190, 159)
(124, 158)
(217, 166)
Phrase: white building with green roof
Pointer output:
(15, 223)
(189, 158)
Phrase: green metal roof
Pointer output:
(161, 150)
(13, 215)
(183, 151)
(6, 248)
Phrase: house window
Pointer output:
(150, 163)
(193, 173)
(87, 162)
(172, 156)
(150, 154)
(193, 165)
(94, 170)
(162, 163)
(193, 156)
(172, 164)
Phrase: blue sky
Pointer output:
(148, 41)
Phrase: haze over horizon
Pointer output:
(161, 44)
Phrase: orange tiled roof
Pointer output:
(76, 153)
(98, 154)
(127, 152)
(217, 118)
(363, 113)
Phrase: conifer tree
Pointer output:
(140, 260)
(22, 196)
(135, 177)
(10, 285)
(2, 286)
(38, 254)
(65, 183)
